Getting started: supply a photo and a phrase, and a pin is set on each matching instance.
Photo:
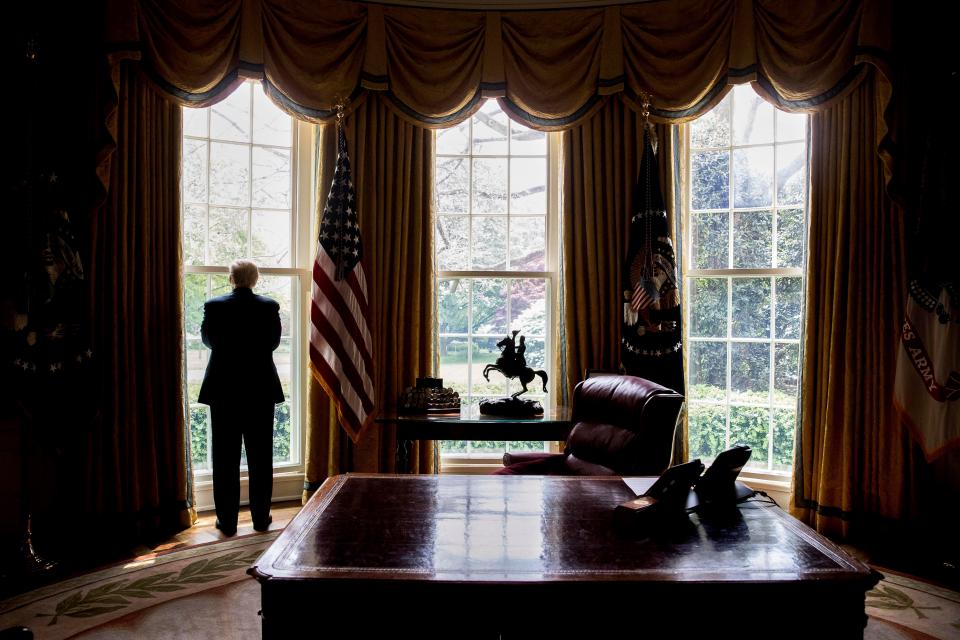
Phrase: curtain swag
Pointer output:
(549, 69)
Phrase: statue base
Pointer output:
(511, 408)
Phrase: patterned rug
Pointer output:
(204, 592)
(180, 594)
(903, 607)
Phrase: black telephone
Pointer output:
(719, 485)
(667, 496)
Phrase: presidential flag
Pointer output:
(650, 334)
(340, 343)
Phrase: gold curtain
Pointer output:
(852, 458)
(601, 166)
(551, 67)
(137, 472)
(392, 163)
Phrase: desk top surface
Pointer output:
(518, 529)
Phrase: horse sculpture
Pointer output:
(512, 364)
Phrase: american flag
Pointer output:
(644, 294)
(340, 341)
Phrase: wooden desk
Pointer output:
(533, 557)
(470, 424)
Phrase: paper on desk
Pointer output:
(639, 485)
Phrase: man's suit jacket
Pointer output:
(242, 329)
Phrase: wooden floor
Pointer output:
(205, 531)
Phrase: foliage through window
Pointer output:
(745, 225)
(238, 202)
(494, 268)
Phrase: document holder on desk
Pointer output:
(665, 498)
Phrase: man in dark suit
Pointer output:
(241, 386)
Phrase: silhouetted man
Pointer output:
(241, 386)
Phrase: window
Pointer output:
(496, 257)
(240, 200)
(743, 274)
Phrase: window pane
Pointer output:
(707, 363)
(784, 428)
(453, 364)
(270, 124)
(528, 185)
(527, 142)
(708, 307)
(751, 308)
(454, 140)
(281, 432)
(528, 445)
(528, 243)
(197, 357)
(752, 239)
(712, 129)
(753, 177)
(271, 238)
(789, 295)
(750, 372)
(453, 446)
(230, 118)
(453, 300)
(708, 430)
(194, 233)
(791, 126)
(194, 295)
(490, 126)
(535, 355)
(194, 171)
(484, 446)
(228, 235)
(786, 371)
(528, 307)
(283, 359)
(485, 351)
(752, 117)
(490, 307)
(709, 240)
(199, 436)
(219, 285)
(490, 243)
(790, 238)
(791, 173)
(751, 426)
(278, 288)
(195, 122)
(271, 178)
(710, 175)
(452, 185)
(229, 174)
(490, 185)
(452, 244)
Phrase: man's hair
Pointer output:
(244, 273)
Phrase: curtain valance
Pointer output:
(550, 69)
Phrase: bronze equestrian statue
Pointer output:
(513, 364)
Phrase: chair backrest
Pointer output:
(622, 423)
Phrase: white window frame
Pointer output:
(770, 480)
(287, 476)
(481, 463)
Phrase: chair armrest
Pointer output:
(513, 458)
(536, 464)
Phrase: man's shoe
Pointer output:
(263, 525)
(227, 531)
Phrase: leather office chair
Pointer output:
(622, 425)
